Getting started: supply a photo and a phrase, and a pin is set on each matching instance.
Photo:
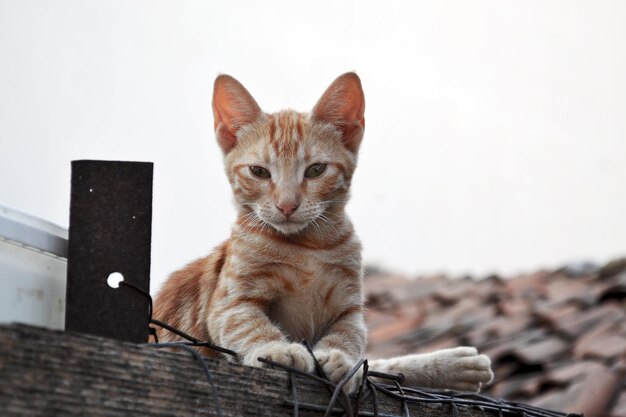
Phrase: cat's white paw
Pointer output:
(336, 364)
(289, 354)
(462, 369)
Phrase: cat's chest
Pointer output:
(307, 307)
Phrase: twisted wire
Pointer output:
(368, 387)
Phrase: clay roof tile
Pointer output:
(619, 409)
(551, 336)
(586, 320)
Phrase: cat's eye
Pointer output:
(315, 170)
(260, 172)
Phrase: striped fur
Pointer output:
(278, 280)
(291, 269)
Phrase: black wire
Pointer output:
(142, 292)
(175, 330)
(318, 367)
(339, 389)
(395, 377)
(151, 330)
(193, 340)
(372, 388)
(345, 400)
(196, 342)
(297, 371)
(294, 395)
(359, 396)
(454, 411)
(406, 395)
(405, 406)
(448, 398)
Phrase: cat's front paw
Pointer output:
(336, 364)
(289, 354)
(464, 368)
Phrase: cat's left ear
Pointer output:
(343, 106)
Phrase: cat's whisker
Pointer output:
(330, 222)
(251, 213)
(258, 222)
(265, 224)
(247, 204)
(333, 201)
(255, 221)
(249, 221)
(247, 217)
(317, 228)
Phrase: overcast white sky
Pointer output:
(495, 139)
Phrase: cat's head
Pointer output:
(290, 170)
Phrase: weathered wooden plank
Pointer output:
(44, 372)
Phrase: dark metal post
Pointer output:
(110, 231)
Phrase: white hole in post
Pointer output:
(114, 279)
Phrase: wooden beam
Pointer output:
(45, 372)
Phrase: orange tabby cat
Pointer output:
(291, 269)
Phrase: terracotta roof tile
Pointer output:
(598, 394)
(614, 289)
(613, 267)
(592, 396)
(397, 289)
(562, 376)
(399, 326)
(528, 286)
(519, 386)
(555, 399)
(553, 315)
(553, 337)
(619, 410)
(505, 347)
(461, 290)
(378, 318)
(603, 342)
(496, 329)
(514, 307)
(525, 386)
(563, 288)
(541, 351)
(604, 346)
(467, 311)
(607, 313)
(580, 269)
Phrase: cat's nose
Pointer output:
(287, 208)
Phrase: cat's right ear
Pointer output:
(233, 108)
